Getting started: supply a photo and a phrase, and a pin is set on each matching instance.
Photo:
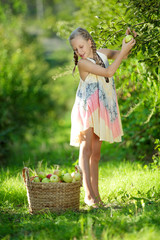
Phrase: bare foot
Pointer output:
(91, 202)
(94, 202)
(100, 202)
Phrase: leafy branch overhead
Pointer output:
(137, 79)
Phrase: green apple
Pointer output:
(54, 178)
(128, 38)
(73, 180)
(57, 172)
(67, 177)
(76, 176)
(61, 177)
(41, 175)
(72, 174)
(45, 180)
(36, 179)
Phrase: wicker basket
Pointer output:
(52, 196)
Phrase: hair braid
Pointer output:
(94, 49)
(75, 61)
(96, 57)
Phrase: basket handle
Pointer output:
(25, 174)
(78, 169)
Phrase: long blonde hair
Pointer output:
(85, 34)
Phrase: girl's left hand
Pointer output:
(128, 31)
(126, 47)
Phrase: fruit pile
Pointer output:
(57, 176)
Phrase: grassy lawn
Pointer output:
(131, 189)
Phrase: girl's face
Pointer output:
(82, 47)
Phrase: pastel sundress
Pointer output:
(96, 106)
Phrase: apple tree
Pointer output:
(137, 79)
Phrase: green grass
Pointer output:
(130, 188)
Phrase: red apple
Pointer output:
(49, 175)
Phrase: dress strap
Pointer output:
(91, 59)
(103, 56)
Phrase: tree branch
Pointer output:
(151, 38)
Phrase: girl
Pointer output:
(95, 115)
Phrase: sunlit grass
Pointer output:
(12, 190)
(128, 179)
(123, 186)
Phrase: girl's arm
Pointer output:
(111, 54)
(86, 66)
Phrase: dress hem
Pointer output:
(103, 140)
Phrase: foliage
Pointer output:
(10, 7)
(28, 93)
(137, 79)
(24, 92)
(156, 157)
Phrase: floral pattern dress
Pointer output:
(96, 106)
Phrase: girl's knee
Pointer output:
(86, 150)
(95, 157)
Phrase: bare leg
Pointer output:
(94, 161)
(84, 157)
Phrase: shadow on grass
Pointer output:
(117, 220)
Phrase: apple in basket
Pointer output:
(45, 180)
(36, 179)
(49, 176)
(76, 176)
(73, 180)
(61, 178)
(67, 178)
(57, 172)
(54, 178)
(41, 175)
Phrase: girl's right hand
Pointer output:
(126, 47)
